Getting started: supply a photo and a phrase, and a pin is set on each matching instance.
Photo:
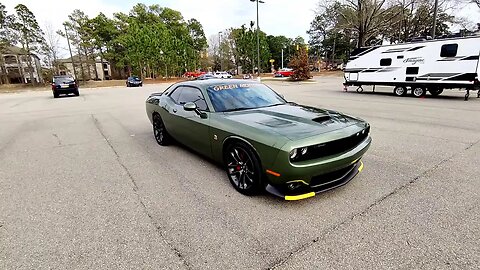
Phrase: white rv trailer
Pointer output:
(430, 65)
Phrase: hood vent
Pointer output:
(322, 119)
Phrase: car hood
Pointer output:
(292, 121)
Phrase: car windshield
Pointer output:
(63, 80)
(134, 78)
(234, 97)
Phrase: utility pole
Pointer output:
(435, 19)
(71, 55)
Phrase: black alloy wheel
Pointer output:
(159, 131)
(243, 168)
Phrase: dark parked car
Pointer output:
(64, 85)
(134, 81)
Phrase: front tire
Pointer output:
(55, 94)
(76, 93)
(160, 132)
(243, 168)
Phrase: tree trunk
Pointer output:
(29, 63)
(89, 64)
(81, 64)
(3, 71)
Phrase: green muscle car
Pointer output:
(263, 141)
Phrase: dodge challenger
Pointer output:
(262, 141)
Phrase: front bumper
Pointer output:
(330, 181)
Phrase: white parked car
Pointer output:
(222, 75)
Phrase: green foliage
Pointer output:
(243, 44)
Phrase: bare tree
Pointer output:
(52, 47)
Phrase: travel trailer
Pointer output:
(427, 65)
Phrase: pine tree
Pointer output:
(30, 34)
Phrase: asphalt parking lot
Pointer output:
(84, 185)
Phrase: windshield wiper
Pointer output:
(276, 104)
(237, 109)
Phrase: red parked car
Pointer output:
(284, 72)
(193, 74)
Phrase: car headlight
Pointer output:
(298, 153)
(293, 154)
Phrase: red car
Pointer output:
(284, 72)
(193, 74)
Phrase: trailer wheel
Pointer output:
(435, 91)
(400, 91)
(359, 89)
(419, 92)
(478, 94)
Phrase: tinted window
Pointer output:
(190, 94)
(176, 94)
(229, 97)
(386, 62)
(449, 50)
(66, 80)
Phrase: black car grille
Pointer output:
(335, 147)
(330, 178)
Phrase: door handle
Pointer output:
(174, 110)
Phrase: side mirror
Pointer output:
(189, 106)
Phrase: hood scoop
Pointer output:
(322, 119)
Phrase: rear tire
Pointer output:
(76, 93)
(243, 168)
(435, 91)
(419, 92)
(159, 131)
(400, 91)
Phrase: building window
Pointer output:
(105, 66)
(385, 62)
(63, 73)
(449, 50)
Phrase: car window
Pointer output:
(176, 93)
(190, 94)
(229, 97)
(63, 80)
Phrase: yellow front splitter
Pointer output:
(312, 194)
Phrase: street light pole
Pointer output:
(258, 37)
(220, 51)
(71, 55)
(282, 58)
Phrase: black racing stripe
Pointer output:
(371, 70)
(415, 48)
(428, 79)
(463, 77)
(441, 75)
(472, 57)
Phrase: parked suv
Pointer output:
(64, 85)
